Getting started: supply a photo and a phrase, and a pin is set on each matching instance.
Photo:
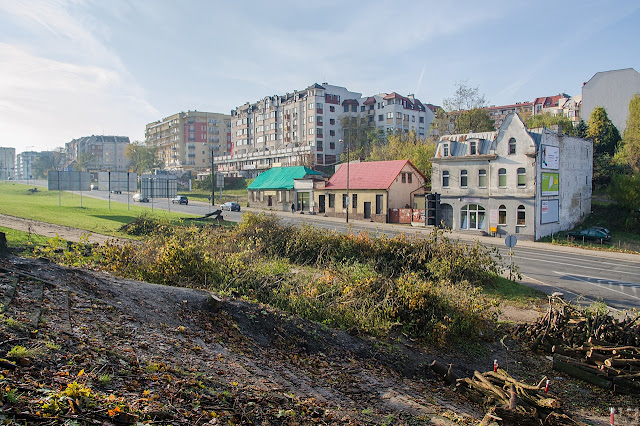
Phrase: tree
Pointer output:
(442, 123)
(360, 137)
(474, 120)
(406, 147)
(629, 152)
(465, 98)
(142, 158)
(624, 190)
(581, 129)
(603, 133)
(548, 120)
(84, 160)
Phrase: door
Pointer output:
(270, 201)
(321, 204)
(367, 210)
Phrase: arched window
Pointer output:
(502, 178)
(472, 216)
(521, 215)
(502, 215)
(482, 178)
(522, 177)
(463, 178)
(445, 178)
(512, 146)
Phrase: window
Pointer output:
(345, 201)
(502, 215)
(399, 115)
(445, 149)
(521, 215)
(310, 105)
(463, 178)
(332, 121)
(354, 108)
(311, 119)
(355, 201)
(482, 178)
(332, 109)
(512, 146)
(472, 216)
(502, 178)
(362, 108)
(522, 177)
(332, 200)
(389, 115)
(404, 177)
(409, 177)
(332, 132)
(380, 117)
(422, 119)
(445, 178)
(472, 148)
(346, 108)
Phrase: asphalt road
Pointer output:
(581, 275)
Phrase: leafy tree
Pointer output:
(474, 120)
(360, 137)
(84, 160)
(625, 191)
(442, 123)
(406, 147)
(629, 153)
(49, 161)
(548, 120)
(603, 169)
(142, 158)
(465, 98)
(603, 133)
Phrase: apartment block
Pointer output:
(24, 164)
(98, 153)
(186, 140)
(7, 163)
(304, 128)
(558, 105)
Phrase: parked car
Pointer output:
(591, 234)
(600, 228)
(180, 199)
(139, 198)
(231, 206)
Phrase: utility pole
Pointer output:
(213, 180)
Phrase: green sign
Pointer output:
(550, 184)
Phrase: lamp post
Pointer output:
(213, 180)
(348, 160)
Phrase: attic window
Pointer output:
(512, 146)
(472, 148)
(445, 149)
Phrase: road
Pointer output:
(581, 275)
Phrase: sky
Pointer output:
(73, 68)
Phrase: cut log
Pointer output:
(504, 376)
(516, 417)
(443, 371)
(561, 363)
(595, 358)
(557, 419)
(621, 362)
(567, 351)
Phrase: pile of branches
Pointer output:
(590, 345)
(508, 400)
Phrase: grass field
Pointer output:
(70, 209)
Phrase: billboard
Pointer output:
(550, 183)
(550, 157)
(549, 211)
(117, 181)
(158, 186)
(69, 181)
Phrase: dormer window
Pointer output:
(445, 150)
(472, 148)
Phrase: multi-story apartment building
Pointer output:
(305, 127)
(562, 104)
(612, 90)
(186, 140)
(98, 153)
(7, 163)
(24, 164)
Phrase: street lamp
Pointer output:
(213, 180)
(348, 160)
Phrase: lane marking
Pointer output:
(621, 263)
(595, 284)
(574, 265)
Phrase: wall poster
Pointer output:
(550, 157)
(549, 211)
(550, 184)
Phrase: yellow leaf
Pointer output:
(146, 393)
(81, 372)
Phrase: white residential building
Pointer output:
(305, 127)
(7, 163)
(612, 90)
(531, 183)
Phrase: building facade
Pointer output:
(24, 164)
(530, 183)
(276, 189)
(372, 189)
(7, 163)
(612, 90)
(558, 105)
(186, 140)
(98, 153)
(305, 127)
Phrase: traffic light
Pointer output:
(431, 210)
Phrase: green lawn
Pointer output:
(71, 209)
(514, 293)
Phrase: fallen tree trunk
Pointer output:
(562, 363)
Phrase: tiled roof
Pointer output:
(370, 100)
(280, 177)
(350, 102)
(370, 175)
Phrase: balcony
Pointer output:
(319, 110)
(192, 146)
(191, 154)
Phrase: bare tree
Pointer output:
(465, 98)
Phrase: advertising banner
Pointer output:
(550, 157)
(550, 184)
(549, 210)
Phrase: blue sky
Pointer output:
(72, 68)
